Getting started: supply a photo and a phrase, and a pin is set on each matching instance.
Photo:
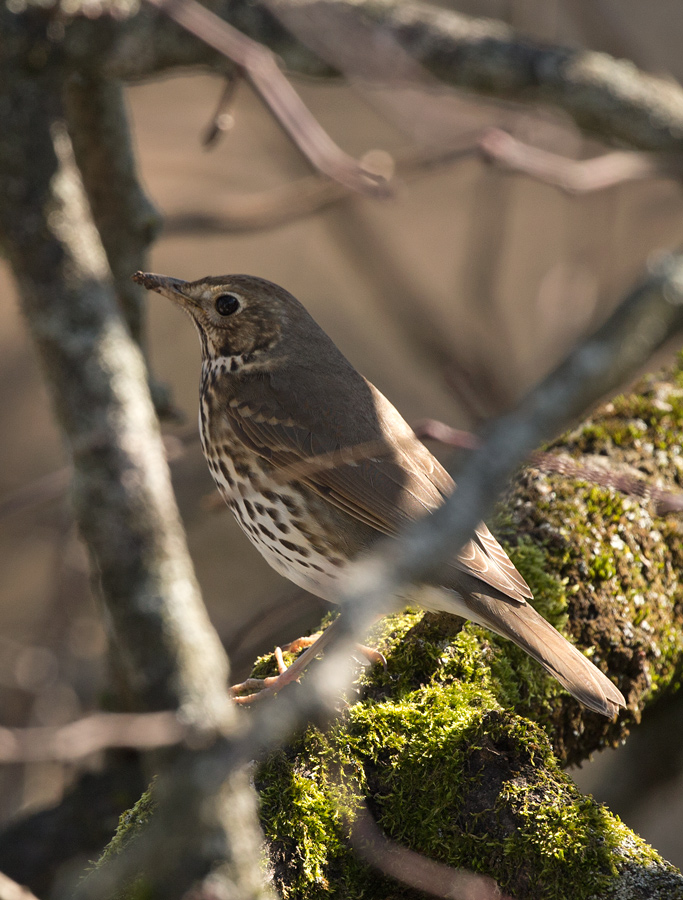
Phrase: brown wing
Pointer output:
(385, 492)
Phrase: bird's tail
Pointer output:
(530, 631)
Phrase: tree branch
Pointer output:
(259, 65)
(170, 655)
(608, 97)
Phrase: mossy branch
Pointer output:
(441, 747)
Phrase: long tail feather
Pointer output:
(530, 631)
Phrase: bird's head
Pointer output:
(238, 317)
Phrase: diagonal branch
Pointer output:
(10, 890)
(260, 67)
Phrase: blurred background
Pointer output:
(452, 296)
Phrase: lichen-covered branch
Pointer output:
(122, 493)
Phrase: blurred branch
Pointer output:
(608, 97)
(94, 733)
(577, 176)
(10, 890)
(277, 206)
(52, 486)
(222, 119)
(259, 66)
(126, 220)
(416, 870)
(36, 846)
(598, 471)
(43, 490)
(274, 207)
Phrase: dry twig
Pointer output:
(576, 176)
(260, 67)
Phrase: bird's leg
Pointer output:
(275, 683)
(264, 687)
(301, 643)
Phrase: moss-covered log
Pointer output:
(457, 747)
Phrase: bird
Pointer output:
(276, 394)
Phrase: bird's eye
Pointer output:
(227, 304)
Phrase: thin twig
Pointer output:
(577, 176)
(54, 485)
(222, 119)
(312, 193)
(260, 67)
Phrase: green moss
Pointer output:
(447, 772)
(130, 824)
(416, 744)
(456, 747)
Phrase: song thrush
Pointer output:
(276, 391)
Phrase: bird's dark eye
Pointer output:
(227, 304)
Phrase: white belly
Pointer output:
(270, 524)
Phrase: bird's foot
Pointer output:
(373, 656)
(252, 690)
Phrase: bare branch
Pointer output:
(608, 97)
(597, 471)
(577, 176)
(44, 489)
(259, 66)
(433, 430)
(54, 485)
(277, 206)
(100, 731)
(416, 870)
(170, 656)
(126, 220)
(222, 120)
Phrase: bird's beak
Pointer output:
(173, 288)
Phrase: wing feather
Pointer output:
(386, 492)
